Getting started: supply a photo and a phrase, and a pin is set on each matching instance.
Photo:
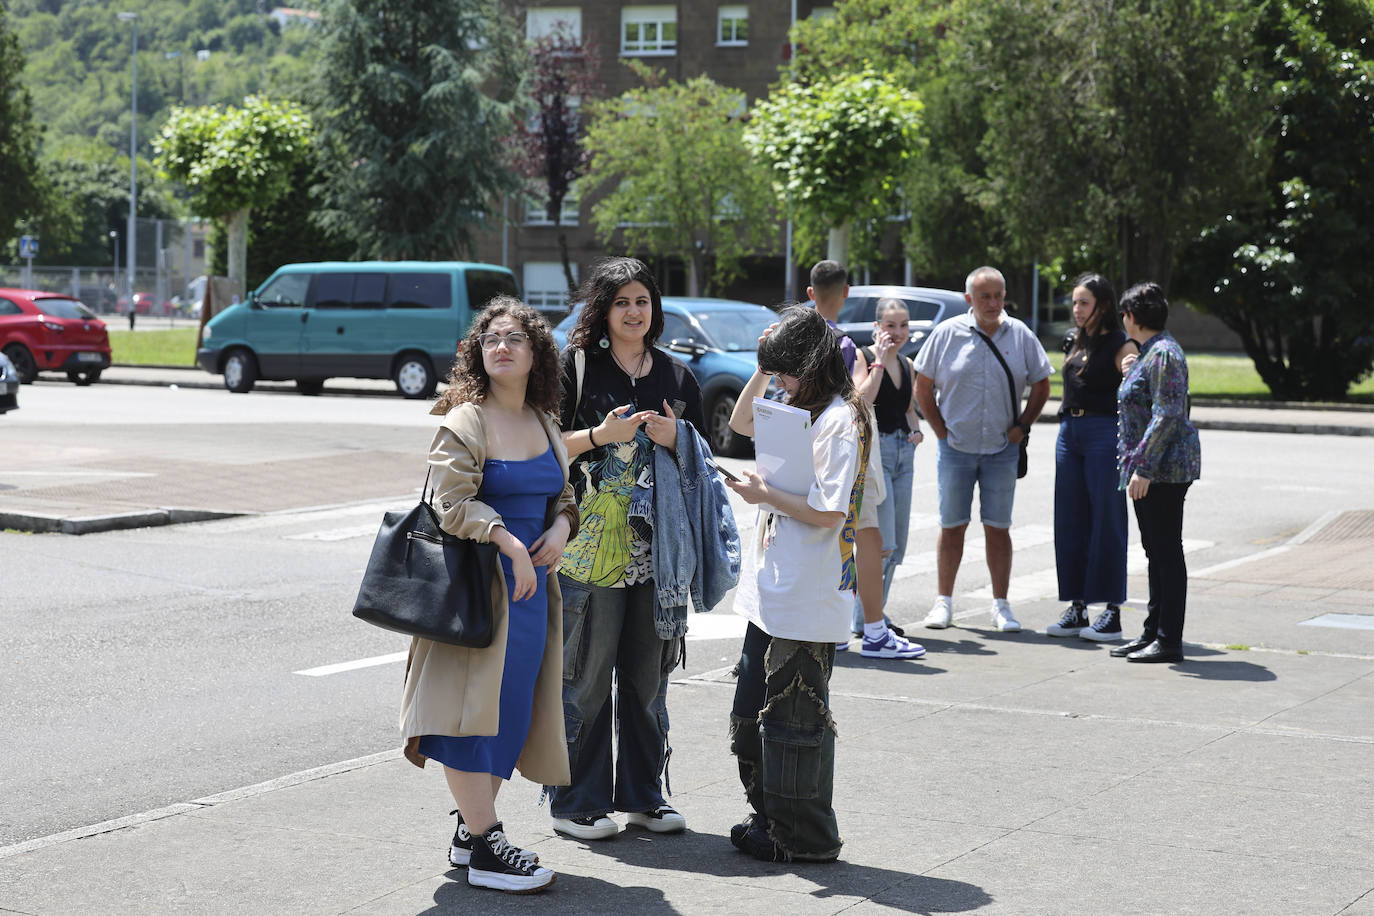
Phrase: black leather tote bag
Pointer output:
(423, 581)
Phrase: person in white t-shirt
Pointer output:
(796, 589)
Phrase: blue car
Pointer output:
(718, 339)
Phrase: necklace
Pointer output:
(643, 354)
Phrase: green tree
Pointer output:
(1292, 276)
(838, 149)
(21, 190)
(232, 160)
(1114, 132)
(415, 100)
(680, 181)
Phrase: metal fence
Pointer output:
(166, 265)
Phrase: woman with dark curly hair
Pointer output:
(621, 397)
(1089, 510)
(499, 474)
(1158, 456)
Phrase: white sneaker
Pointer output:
(1002, 618)
(941, 614)
(586, 828)
(662, 819)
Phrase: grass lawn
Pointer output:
(1218, 376)
(170, 347)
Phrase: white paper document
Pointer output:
(782, 446)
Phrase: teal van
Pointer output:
(400, 320)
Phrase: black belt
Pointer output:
(1080, 412)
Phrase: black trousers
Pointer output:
(1160, 517)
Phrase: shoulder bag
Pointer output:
(1022, 458)
(423, 581)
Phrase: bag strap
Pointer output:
(1011, 382)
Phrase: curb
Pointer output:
(121, 521)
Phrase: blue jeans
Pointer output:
(611, 631)
(894, 513)
(783, 738)
(1089, 512)
(995, 474)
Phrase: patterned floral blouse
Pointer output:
(1155, 438)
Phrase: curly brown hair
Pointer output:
(468, 380)
(599, 291)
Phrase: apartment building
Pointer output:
(736, 44)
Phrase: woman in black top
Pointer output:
(628, 397)
(1089, 508)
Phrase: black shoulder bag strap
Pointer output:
(1011, 382)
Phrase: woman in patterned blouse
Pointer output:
(1159, 456)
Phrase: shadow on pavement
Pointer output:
(708, 854)
(1225, 670)
(569, 894)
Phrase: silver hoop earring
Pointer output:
(604, 343)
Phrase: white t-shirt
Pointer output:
(790, 578)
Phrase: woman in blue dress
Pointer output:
(500, 474)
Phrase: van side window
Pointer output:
(285, 291)
(922, 310)
(483, 285)
(369, 291)
(419, 291)
(334, 291)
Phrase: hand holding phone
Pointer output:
(726, 474)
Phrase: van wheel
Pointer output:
(24, 363)
(414, 376)
(84, 376)
(310, 386)
(240, 371)
(724, 440)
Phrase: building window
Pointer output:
(554, 20)
(733, 26)
(537, 211)
(648, 30)
(546, 287)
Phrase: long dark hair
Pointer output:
(804, 346)
(468, 380)
(598, 292)
(1104, 311)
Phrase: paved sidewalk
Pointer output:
(1006, 773)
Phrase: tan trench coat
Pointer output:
(450, 690)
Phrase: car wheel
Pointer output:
(414, 376)
(240, 371)
(724, 440)
(310, 386)
(24, 363)
(84, 377)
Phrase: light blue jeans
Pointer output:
(894, 513)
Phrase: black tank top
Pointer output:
(893, 400)
(1091, 379)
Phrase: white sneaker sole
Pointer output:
(937, 623)
(1064, 631)
(512, 884)
(1006, 626)
(458, 856)
(568, 828)
(1092, 635)
(675, 824)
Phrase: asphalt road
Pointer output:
(147, 667)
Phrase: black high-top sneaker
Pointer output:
(460, 850)
(495, 863)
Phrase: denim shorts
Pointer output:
(995, 475)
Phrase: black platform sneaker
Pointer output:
(460, 850)
(495, 863)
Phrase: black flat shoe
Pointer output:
(1157, 652)
(1134, 645)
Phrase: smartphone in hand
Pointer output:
(727, 475)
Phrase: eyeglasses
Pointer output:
(514, 340)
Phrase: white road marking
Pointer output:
(335, 534)
(325, 670)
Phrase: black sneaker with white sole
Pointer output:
(662, 819)
(1073, 622)
(1106, 628)
(497, 864)
(460, 850)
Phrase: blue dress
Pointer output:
(520, 491)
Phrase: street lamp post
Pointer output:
(131, 236)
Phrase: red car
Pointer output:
(51, 332)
